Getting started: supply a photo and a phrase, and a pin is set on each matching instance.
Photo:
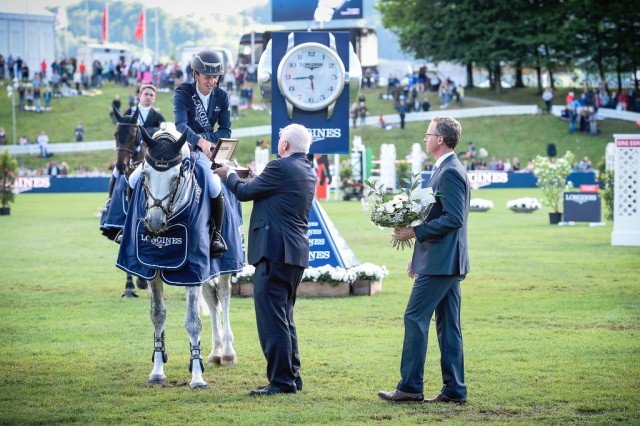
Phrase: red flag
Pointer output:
(105, 24)
(140, 28)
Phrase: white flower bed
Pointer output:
(366, 271)
(481, 204)
(525, 203)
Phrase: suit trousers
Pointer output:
(439, 294)
(274, 296)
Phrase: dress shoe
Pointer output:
(398, 396)
(298, 386)
(446, 399)
(268, 390)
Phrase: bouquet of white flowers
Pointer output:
(400, 208)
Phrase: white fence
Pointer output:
(370, 121)
(604, 113)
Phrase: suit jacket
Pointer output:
(282, 196)
(152, 123)
(441, 239)
(186, 114)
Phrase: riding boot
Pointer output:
(217, 246)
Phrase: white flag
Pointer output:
(61, 18)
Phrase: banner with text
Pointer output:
(326, 245)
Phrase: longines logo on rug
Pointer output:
(581, 198)
(161, 242)
(28, 183)
(480, 179)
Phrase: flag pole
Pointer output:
(106, 8)
(144, 32)
(156, 36)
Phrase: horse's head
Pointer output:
(126, 135)
(162, 172)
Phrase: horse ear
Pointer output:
(117, 114)
(183, 138)
(136, 114)
(145, 137)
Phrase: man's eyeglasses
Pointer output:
(426, 135)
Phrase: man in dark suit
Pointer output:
(148, 117)
(279, 250)
(440, 262)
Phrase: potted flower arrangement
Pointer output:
(480, 205)
(324, 281)
(552, 176)
(366, 279)
(8, 173)
(524, 205)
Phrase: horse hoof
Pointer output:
(229, 360)
(214, 359)
(157, 380)
(141, 284)
(129, 294)
(200, 386)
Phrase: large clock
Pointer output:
(311, 76)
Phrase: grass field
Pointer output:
(550, 319)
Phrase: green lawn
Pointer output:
(549, 314)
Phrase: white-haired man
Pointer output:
(279, 250)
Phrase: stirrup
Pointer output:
(165, 356)
(195, 355)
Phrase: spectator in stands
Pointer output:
(79, 132)
(403, 108)
(623, 101)
(362, 112)
(234, 101)
(515, 164)
(3, 136)
(21, 95)
(36, 96)
(547, 97)
(47, 98)
(43, 143)
(585, 164)
(354, 114)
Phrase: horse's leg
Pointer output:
(158, 318)
(210, 295)
(193, 325)
(224, 296)
(142, 284)
(129, 289)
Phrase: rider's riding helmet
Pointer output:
(207, 62)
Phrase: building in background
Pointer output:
(27, 31)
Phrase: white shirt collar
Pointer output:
(441, 159)
(203, 98)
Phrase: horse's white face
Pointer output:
(161, 188)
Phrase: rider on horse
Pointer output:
(198, 106)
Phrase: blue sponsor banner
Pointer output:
(297, 10)
(582, 207)
(47, 184)
(496, 179)
(326, 246)
(329, 136)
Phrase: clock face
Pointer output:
(311, 76)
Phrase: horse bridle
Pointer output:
(120, 147)
(173, 192)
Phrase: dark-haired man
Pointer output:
(440, 262)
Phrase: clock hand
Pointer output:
(301, 78)
(311, 78)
